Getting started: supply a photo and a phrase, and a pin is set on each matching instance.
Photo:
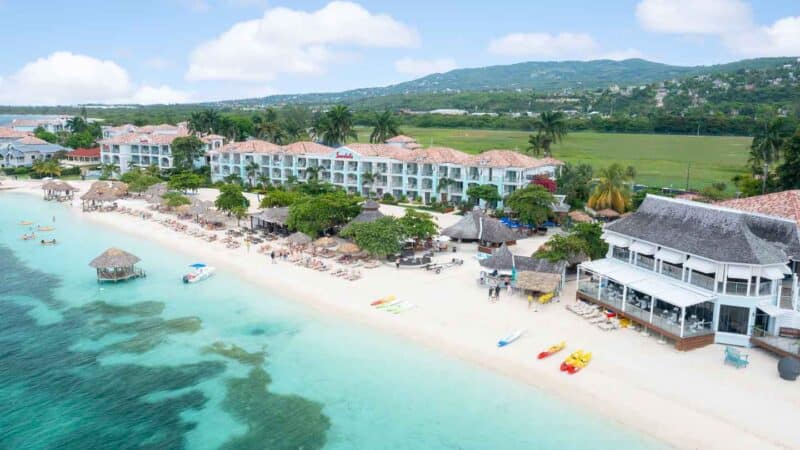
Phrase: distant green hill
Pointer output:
(543, 77)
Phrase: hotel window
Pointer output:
(620, 253)
(672, 270)
(733, 319)
(648, 262)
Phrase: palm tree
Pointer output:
(47, 168)
(385, 128)
(267, 126)
(312, 173)
(205, 122)
(251, 169)
(293, 131)
(337, 127)
(368, 179)
(443, 184)
(536, 142)
(552, 125)
(611, 190)
(263, 180)
(630, 173)
(108, 170)
(76, 124)
(766, 147)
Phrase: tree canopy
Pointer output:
(230, 197)
(583, 241)
(185, 150)
(789, 170)
(385, 127)
(532, 204)
(418, 225)
(379, 238)
(280, 197)
(314, 214)
(185, 181)
(611, 191)
(174, 199)
(485, 192)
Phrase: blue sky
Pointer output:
(59, 52)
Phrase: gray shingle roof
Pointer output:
(477, 226)
(716, 233)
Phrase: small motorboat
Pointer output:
(510, 338)
(26, 223)
(201, 272)
(48, 242)
(552, 350)
(580, 363)
(571, 359)
(45, 228)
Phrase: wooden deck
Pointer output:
(681, 344)
(778, 345)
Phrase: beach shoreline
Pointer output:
(633, 381)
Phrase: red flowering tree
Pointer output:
(545, 182)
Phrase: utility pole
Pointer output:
(688, 171)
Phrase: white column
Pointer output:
(624, 296)
(652, 307)
(749, 279)
(683, 320)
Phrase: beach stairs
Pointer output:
(736, 358)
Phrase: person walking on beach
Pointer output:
(272, 256)
(491, 294)
(497, 293)
(509, 289)
(397, 262)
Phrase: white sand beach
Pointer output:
(686, 399)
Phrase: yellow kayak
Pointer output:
(553, 349)
(571, 359)
(581, 363)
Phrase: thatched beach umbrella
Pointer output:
(348, 248)
(154, 193)
(299, 238)
(369, 212)
(184, 210)
(114, 258)
(326, 241)
(538, 281)
(213, 216)
(608, 214)
(579, 216)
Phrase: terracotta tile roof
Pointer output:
(306, 148)
(85, 153)
(400, 139)
(784, 204)
(31, 140)
(508, 158)
(6, 133)
(254, 146)
(211, 137)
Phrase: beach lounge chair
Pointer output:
(736, 358)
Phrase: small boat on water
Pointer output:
(45, 228)
(201, 272)
(26, 223)
(510, 338)
(48, 242)
(552, 350)
(28, 237)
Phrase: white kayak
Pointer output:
(199, 274)
(510, 338)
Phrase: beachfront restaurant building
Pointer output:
(399, 167)
(697, 273)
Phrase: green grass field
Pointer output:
(660, 160)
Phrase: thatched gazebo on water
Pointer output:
(58, 190)
(116, 265)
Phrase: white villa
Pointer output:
(699, 274)
(51, 124)
(26, 150)
(398, 167)
(129, 145)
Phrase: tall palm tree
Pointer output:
(251, 169)
(47, 168)
(443, 184)
(611, 190)
(368, 179)
(536, 142)
(766, 147)
(293, 131)
(385, 128)
(312, 173)
(76, 124)
(552, 125)
(337, 128)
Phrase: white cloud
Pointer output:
(148, 95)
(296, 42)
(419, 67)
(544, 45)
(730, 20)
(67, 78)
(694, 16)
(782, 38)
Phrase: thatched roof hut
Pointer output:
(504, 261)
(154, 193)
(580, 217)
(348, 248)
(369, 212)
(105, 191)
(299, 238)
(213, 216)
(538, 281)
(116, 265)
(477, 226)
(607, 213)
(276, 216)
(326, 242)
(56, 188)
(200, 207)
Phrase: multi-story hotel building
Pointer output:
(129, 145)
(699, 273)
(398, 167)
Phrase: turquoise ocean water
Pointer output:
(157, 364)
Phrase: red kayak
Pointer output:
(552, 350)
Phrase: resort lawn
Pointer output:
(659, 159)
